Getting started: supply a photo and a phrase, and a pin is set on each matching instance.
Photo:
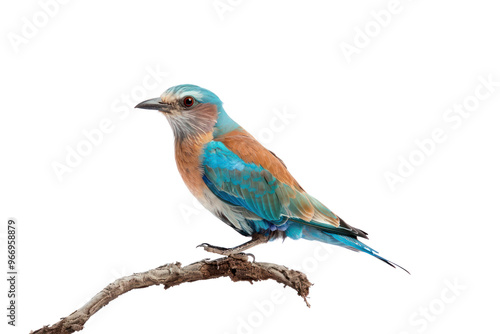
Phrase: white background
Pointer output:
(125, 209)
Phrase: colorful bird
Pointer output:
(240, 181)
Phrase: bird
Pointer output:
(241, 182)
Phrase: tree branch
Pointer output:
(169, 275)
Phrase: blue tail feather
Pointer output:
(358, 245)
(299, 231)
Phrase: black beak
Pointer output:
(155, 104)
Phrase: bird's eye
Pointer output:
(188, 101)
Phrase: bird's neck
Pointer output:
(225, 124)
(192, 124)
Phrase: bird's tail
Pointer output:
(357, 245)
(311, 233)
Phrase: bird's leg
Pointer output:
(257, 239)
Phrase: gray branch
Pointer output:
(169, 275)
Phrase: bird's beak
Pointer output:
(155, 104)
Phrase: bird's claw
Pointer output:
(215, 249)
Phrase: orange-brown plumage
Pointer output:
(250, 150)
(187, 157)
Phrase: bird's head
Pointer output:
(191, 111)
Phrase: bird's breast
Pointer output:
(187, 157)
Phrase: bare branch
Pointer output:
(169, 275)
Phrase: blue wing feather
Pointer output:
(240, 183)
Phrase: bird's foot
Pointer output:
(231, 252)
(237, 251)
(216, 249)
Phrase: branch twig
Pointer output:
(169, 275)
